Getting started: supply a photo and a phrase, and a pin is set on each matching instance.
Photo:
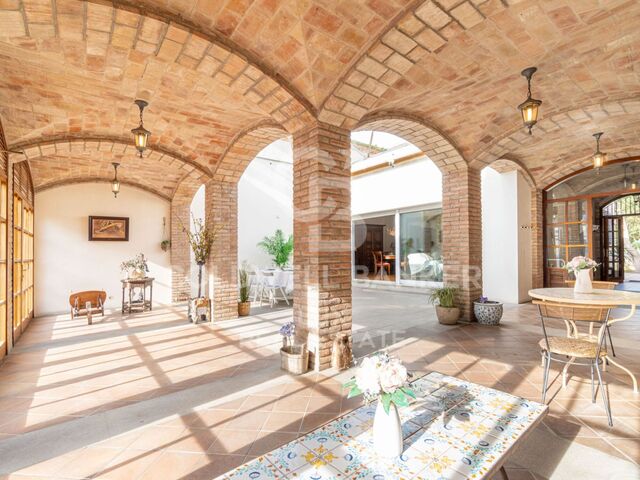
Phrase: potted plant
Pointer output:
(444, 299)
(136, 268)
(244, 305)
(385, 380)
(165, 245)
(279, 248)
(487, 312)
(293, 358)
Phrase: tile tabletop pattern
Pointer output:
(454, 430)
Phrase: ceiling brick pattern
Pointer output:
(308, 43)
(66, 161)
(244, 148)
(423, 30)
(414, 130)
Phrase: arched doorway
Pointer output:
(620, 245)
(590, 213)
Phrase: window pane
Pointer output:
(578, 234)
(421, 245)
(556, 235)
(577, 211)
(556, 257)
(555, 212)
(578, 252)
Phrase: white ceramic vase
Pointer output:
(583, 282)
(387, 431)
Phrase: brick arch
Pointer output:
(244, 148)
(426, 28)
(88, 143)
(77, 180)
(562, 142)
(160, 33)
(506, 164)
(440, 150)
(576, 165)
(57, 161)
(461, 223)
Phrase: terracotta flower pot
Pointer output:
(244, 308)
(447, 315)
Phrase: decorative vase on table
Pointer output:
(387, 431)
(583, 282)
(137, 274)
(581, 268)
(383, 379)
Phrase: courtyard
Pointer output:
(136, 397)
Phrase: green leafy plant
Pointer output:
(444, 296)
(244, 284)
(279, 248)
(165, 245)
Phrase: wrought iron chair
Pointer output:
(575, 351)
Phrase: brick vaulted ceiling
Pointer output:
(211, 69)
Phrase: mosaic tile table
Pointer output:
(454, 430)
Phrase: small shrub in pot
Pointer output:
(444, 299)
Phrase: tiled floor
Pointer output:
(151, 396)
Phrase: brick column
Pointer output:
(537, 238)
(180, 250)
(221, 211)
(462, 235)
(322, 238)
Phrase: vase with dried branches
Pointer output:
(201, 239)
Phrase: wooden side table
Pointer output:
(129, 285)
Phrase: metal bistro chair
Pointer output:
(598, 285)
(576, 351)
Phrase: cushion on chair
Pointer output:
(572, 347)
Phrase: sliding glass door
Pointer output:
(401, 247)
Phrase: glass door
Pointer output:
(420, 246)
(17, 266)
(613, 248)
(27, 264)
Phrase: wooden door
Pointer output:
(613, 248)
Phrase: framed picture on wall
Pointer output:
(110, 229)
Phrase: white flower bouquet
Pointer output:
(580, 263)
(382, 377)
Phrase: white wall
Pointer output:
(405, 185)
(265, 201)
(506, 252)
(66, 261)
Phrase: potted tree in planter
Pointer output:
(279, 248)
(487, 312)
(244, 305)
(293, 358)
(201, 240)
(444, 299)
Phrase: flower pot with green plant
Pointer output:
(444, 299)
(244, 305)
(165, 245)
(278, 247)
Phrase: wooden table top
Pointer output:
(597, 297)
(137, 280)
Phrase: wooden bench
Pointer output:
(87, 303)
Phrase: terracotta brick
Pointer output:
(322, 233)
